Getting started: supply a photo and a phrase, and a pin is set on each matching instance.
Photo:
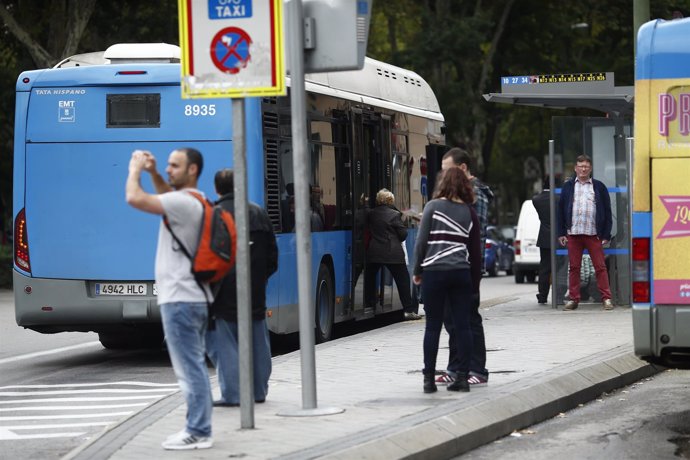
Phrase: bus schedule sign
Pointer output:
(232, 48)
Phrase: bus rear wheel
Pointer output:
(324, 305)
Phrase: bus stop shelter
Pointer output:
(604, 139)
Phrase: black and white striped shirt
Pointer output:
(448, 239)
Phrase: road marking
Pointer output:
(82, 385)
(58, 416)
(113, 398)
(6, 435)
(79, 392)
(48, 352)
(49, 408)
(55, 425)
(72, 407)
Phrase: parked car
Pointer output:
(527, 256)
(498, 251)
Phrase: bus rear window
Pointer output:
(133, 111)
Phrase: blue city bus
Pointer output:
(84, 259)
(661, 192)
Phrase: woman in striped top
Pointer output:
(448, 259)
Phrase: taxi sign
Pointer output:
(232, 48)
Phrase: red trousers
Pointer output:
(576, 246)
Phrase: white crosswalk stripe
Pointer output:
(44, 411)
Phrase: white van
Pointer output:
(526, 250)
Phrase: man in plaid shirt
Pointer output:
(585, 222)
(479, 375)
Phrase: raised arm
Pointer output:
(135, 195)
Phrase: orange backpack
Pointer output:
(215, 252)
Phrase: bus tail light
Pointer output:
(640, 270)
(21, 242)
(517, 247)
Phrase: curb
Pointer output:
(455, 429)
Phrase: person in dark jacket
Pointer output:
(385, 250)
(584, 222)
(542, 203)
(221, 343)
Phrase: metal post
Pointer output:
(300, 165)
(622, 275)
(640, 16)
(301, 172)
(552, 222)
(242, 267)
(630, 155)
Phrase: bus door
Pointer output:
(603, 139)
(366, 181)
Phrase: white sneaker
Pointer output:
(186, 441)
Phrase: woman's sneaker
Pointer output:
(186, 441)
(477, 380)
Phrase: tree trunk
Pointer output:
(79, 12)
(478, 111)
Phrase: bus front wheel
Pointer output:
(325, 305)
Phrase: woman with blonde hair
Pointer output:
(387, 234)
(448, 259)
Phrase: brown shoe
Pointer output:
(608, 305)
(570, 306)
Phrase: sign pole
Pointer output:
(301, 168)
(242, 268)
(302, 222)
(552, 222)
(235, 49)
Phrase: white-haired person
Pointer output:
(388, 232)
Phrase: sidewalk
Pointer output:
(542, 362)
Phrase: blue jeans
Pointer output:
(184, 324)
(222, 349)
(451, 289)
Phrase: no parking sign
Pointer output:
(232, 48)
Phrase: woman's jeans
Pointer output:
(185, 324)
(454, 288)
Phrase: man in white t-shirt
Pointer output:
(183, 304)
